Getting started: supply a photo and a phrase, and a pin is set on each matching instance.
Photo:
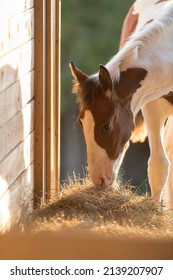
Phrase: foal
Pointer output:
(138, 77)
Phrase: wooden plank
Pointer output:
(49, 160)
(16, 162)
(16, 97)
(57, 74)
(52, 96)
(17, 200)
(16, 129)
(16, 64)
(39, 82)
(16, 31)
(14, 7)
(27, 88)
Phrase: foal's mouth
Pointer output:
(105, 182)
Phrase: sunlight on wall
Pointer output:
(16, 109)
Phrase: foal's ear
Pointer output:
(105, 80)
(77, 74)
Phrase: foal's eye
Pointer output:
(106, 127)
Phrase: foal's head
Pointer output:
(106, 119)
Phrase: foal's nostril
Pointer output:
(102, 182)
(105, 182)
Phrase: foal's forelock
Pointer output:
(86, 91)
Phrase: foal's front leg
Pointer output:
(167, 195)
(158, 163)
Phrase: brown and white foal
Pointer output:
(138, 77)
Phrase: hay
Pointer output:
(112, 212)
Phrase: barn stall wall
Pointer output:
(16, 109)
(29, 105)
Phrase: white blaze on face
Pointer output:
(102, 170)
(99, 164)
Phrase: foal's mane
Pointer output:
(139, 40)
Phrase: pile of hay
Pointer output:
(112, 212)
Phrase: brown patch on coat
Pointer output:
(129, 26)
(121, 120)
(169, 97)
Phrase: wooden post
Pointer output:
(58, 84)
(38, 87)
(52, 96)
(47, 139)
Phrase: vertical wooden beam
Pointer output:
(48, 97)
(38, 87)
(52, 96)
(58, 83)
